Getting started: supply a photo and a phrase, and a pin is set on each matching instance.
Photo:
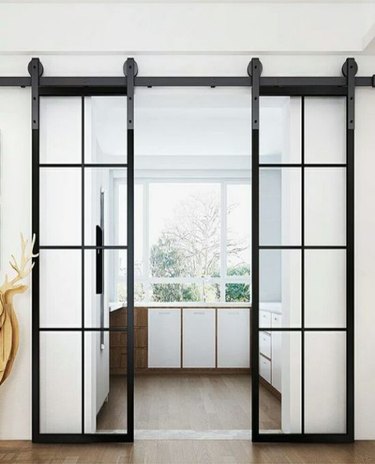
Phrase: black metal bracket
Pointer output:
(349, 70)
(255, 70)
(130, 71)
(35, 69)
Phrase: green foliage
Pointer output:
(168, 261)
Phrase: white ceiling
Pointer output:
(188, 1)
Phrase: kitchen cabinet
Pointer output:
(233, 338)
(270, 349)
(276, 352)
(198, 337)
(164, 337)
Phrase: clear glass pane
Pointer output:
(105, 288)
(185, 292)
(280, 382)
(235, 292)
(185, 231)
(325, 382)
(105, 382)
(60, 130)
(105, 129)
(238, 229)
(139, 230)
(325, 206)
(280, 130)
(60, 206)
(60, 288)
(325, 288)
(280, 285)
(106, 205)
(60, 366)
(325, 130)
(280, 206)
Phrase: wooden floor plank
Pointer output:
(187, 452)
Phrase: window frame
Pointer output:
(146, 279)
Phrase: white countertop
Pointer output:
(274, 307)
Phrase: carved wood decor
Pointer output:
(9, 330)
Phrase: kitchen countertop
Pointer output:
(274, 307)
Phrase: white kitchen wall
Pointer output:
(220, 44)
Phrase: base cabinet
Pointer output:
(276, 355)
(270, 349)
(233, 338)
(164, 337)
(198, 338)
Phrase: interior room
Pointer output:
(187, 231)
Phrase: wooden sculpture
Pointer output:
(9, 331)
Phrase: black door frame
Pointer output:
(261, 86)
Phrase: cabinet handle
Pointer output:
(164, 312)
(199, 312)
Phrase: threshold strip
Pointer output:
(187, 434)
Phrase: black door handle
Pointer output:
(99, 260)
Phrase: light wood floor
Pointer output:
(189, 402)
(187, 452)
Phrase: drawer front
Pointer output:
(265, 368)
(264, 319)
(265, 344)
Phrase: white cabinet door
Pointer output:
(164, 337)
(276, 352)
(233, 337)
(198, 337)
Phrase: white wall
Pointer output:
(213, 41)
(15, 133)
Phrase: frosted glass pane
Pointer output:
(280, 284)
(280, 206)
(325, 288)
(325, 130)
(60, 382)
(60, 130)
(325, 206)
(60, 288)
(100, 307)
(105, 129)
(105, 382)
(106, 196)
(325, 382)
(280, 130)
(283, 372)
(195, 126)
(238, 229)
(60, 206)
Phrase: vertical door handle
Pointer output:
(99, 260)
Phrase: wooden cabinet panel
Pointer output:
(140, 337)
(140, 317)
(233, 338)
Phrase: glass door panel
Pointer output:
(302, 251)
(83, 279)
